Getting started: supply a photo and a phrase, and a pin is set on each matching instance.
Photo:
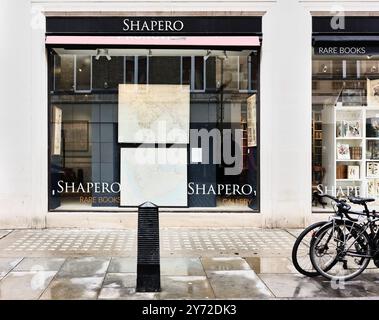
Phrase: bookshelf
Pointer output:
(317, 138)
(352, 149)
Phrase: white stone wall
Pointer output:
(285, 110)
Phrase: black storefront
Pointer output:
(84, 79)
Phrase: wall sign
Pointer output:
(345, 50)
(213, 25)
(154, 25)
(341, 50)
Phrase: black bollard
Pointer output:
(148, 259)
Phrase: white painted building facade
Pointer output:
(285, 110)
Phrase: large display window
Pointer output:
(345, 108)
(178, 127)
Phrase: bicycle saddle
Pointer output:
(358, 200)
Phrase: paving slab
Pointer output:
(84, 267)
(181, 267)
(24, 285)
(73, 288)
(173, 287)
(298, 286)
(40, 264)
(238, 284)
(7, 264)
(123, 265)
(4, 233)
(126, 294)
(120, 280)
(185, 287)
(294, 232)
(224, 263)
(271, 264)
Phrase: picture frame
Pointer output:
(372, 150)
(372, 170)
(341, 128)
(371, 188)
(353, 129)
(353, 172)
(348, 129)
(76, 136)
(56, 140)
(343, 151)
(372, 92)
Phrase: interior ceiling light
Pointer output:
(369, 56)
(103, 53)
(324, 68)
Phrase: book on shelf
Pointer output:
(356, 153)
(341, 172)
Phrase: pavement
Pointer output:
(231, 263)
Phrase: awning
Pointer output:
(239, 41)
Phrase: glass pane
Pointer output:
(83, 73)
(64, 72)
(164, 70)
(244, 65)
(186, 70)
(142, 70)
(199, 73)
(129, 66)
(227, 72)
(107, 74)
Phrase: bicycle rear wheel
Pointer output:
(344, 247)
(300, 251)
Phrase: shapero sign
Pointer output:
(152, 25)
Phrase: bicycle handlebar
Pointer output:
(343, 207)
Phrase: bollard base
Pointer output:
(148, 278)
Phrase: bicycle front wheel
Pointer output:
(340, 250)
(300, 251)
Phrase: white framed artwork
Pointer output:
(153, 113)
(157, 175)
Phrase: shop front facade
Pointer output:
(220, 115)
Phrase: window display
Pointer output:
(110, 104)
(345, 125)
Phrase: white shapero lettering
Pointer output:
(152, 25)
(219, 189)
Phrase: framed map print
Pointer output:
(153, 113)
(157, 175)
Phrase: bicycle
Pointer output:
(342, 249)
(300, 251)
